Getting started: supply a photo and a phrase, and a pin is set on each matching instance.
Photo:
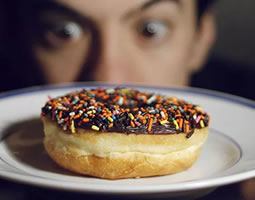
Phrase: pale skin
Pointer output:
(140, 41)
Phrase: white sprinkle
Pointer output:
(61, 107)
(71, 114)
(195, 116)
(60, 121)
(110, 91)
(151, 99)
(162, 114)
(120, 101)
(152, 111)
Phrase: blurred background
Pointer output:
(236, 31)
(233, 51)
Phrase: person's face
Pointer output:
(142, 41)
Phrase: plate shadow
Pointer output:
(24, 141)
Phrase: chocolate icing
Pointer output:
(125, 110)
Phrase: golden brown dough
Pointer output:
(138, 155)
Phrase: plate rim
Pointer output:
(212, 93)
(187, 186)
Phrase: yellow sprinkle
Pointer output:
(131, 116)
(72, 127)
(163, 122)
(202, 124)
(198, 108)
(110, 119)
(95, 128)
(176, 124)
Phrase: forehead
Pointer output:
(111, 8)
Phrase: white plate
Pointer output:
(227, 157)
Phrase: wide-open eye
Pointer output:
(153, 30)
(67, 30)
(61, 33)
(59, 30)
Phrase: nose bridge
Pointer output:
(111, 59)
(110, 45)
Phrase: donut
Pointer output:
(116, 133)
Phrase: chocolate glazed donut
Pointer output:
(123, 133)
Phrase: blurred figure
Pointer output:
(159, 42)
(248, 189)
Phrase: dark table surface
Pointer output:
(10, 191)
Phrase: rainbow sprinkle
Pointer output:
(124, 110)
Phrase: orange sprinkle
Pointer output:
(60, 114)
(132, 124)
(116, 98)
(157, 106)
(135, 109)
(77, 116)
(180, 123)
(85, 120)
(150, 124)
(178, 115)
(187, 128)
(142, 109)
(105, 97)
(191, 111)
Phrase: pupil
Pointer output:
(65, 33)
(149, 29)
(69, 31)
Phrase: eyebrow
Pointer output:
(47, 5)
(148, 4)
(151, 3)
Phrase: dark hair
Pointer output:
(203, 6)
